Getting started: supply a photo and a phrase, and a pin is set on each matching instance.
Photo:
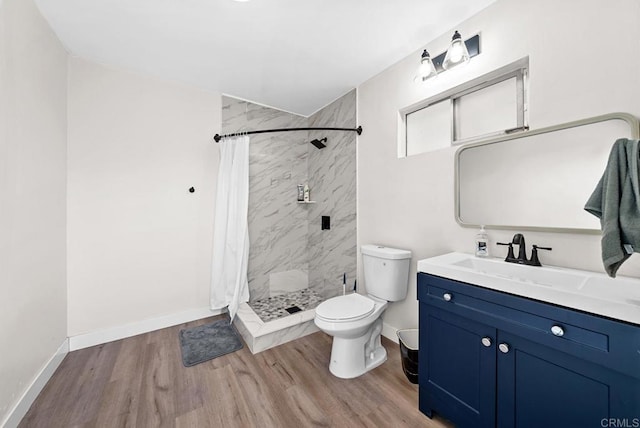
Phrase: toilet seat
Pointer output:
(350, 307)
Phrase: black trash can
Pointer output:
(408, 339)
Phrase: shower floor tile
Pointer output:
(273, 308)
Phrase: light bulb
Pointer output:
(426, 69)
(457, 53)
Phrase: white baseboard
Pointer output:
(21, 408)
(389, 332)
(127, 330)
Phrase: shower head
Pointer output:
(319, 143)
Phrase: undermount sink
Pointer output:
(546, 276)
(593, 292)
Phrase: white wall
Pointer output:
(583, 62)
(33, 132)
(139, 244)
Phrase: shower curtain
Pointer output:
(229, 286)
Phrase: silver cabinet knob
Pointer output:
(556, 330)
(486, 341)
(447, 297)
(504, 348)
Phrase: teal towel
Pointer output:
(616, 202)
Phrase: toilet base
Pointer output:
(339, 370)
(354, 357)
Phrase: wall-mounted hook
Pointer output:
(192, 189)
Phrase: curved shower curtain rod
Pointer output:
(218, 137)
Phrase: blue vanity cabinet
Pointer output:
(457, 373)
(539, 386)
(490, 359)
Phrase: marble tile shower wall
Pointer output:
(332, 178)
(277, 163)
(287, 242)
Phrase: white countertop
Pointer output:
(596, 293)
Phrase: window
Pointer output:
(429, 128)
(491, 105)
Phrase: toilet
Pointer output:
(355, 320)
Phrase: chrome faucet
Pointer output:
(518, 239)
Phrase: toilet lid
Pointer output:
(345, 308)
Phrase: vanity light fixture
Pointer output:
(459, 53)
(426, 70)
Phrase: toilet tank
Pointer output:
(386, 271)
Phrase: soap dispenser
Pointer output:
(482, 243)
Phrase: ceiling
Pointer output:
(294, 55)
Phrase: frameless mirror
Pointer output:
(538, 179)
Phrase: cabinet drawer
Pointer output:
(527, 323)
(600, 340)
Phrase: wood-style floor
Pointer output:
(141, 382)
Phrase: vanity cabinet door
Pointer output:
(457, 366)
(539, 386)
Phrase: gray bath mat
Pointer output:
(208, 341)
